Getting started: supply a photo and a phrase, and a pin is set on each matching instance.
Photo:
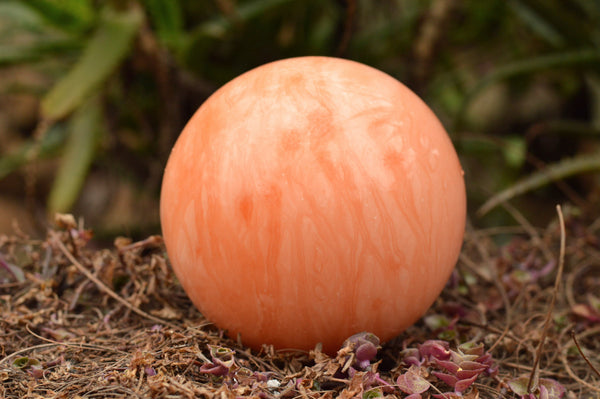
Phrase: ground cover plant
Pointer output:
(78, 321)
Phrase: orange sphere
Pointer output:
(310, 199)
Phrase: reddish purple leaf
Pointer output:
(411, 382)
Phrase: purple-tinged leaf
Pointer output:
(485, 359)
(218, 370)
(448, 395)
(470, 348)
(411, 382)
(554, 388)
(594, 302)
(222, 356)
(447, 378)
(464, 374)
(412, 357)
(362, 338)
(16, 271)
(459, 357)
(469, 369)
(372, 379)
(519, 385)
(544, 271)
(587, 312)
(365, 346)
(492, 370)
(365, 353)
(36, 372)
(462, 384)
(447, 365)
(435, 349)
(414, 396)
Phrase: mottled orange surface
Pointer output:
(310, 199)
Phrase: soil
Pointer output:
(78, 321)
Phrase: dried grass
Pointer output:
(84, 322)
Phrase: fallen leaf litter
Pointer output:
(77, 321)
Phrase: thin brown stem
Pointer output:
(104, 287)
(561, 263)
(574, 337)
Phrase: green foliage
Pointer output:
(74, 16)
(103, 52)
(508, 78)
(78, 155)
(167, 16)
(26, 36)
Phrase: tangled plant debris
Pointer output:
(79, 320)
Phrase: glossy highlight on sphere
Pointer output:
(310, 199)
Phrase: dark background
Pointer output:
(93, 94)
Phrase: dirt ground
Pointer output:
(78, 321)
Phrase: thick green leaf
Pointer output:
(219, 26)
(77, 158)
(564, 17)
(589, 58)
(103, 53)
(25, 36)
(566, 168)
(17, 16)
(537, 24)
(68, 15)
(15, 54)
(167, 17)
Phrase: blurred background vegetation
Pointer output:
(93, 94)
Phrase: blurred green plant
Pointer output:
(570, 29)
(63, 24)
(122, 77)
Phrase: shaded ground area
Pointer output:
(84, 322)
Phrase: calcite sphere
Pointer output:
(310, 199)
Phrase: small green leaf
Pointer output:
(101, 56)
(77, 158)
(373, 393)
(436, 321)
(594, 301)
(26, 362)
(21, 362)
(515, 151)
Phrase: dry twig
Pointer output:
(104, 287)
(561, 263)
